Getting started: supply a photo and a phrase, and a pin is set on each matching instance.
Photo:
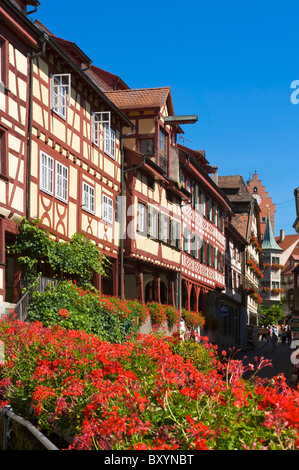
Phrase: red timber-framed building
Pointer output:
(60, 145)
(17, 40)
(153, 195)
(203, 217)
(75, 165)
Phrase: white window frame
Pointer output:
(88, 197)
(107, 209)
(46, 173)
(109, 141)
(60, 93)
(98, 121)
(141, 217)
(164, 228)
(61, 182)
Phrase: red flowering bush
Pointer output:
(254, 241)
(73, 307)
(193, 319)
(160, 314)
(140, 394)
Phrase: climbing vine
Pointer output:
(79, 257)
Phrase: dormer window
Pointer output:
(61, 93)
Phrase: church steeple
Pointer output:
(269, 242)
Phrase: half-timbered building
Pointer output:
(247, 221)
(152, 239)
(75, 151)
(233, 297)
(203, 251)
(17, 40)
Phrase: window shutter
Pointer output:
(209, 254)
(178, 236)
(202, 204)
(149, 220)
(195, 196)
(195, 246)
(209, 208)
(186, 239)
(172, 232)
(203, 251)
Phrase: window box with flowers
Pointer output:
(277, 291)
(253, 294)
(251, 264)
(276, 266)
(254, 242)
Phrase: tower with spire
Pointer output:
(271, 252)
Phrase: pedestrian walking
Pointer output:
(289, 335)
(274, 339)
(264, 333)
(268, 341)
(283, 336)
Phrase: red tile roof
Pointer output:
(240, 222)
(141, 98)
(288, 241)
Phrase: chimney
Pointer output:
(282, 235)
(214, 174)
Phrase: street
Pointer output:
(280, 359)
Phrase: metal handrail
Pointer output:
(8, 414)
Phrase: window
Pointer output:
(60, 93)
(61, 183)
(164, 228)
(255, 189)
(109, 142)
(88, 198)
(101, 126)
(263, 220)
(107, 214)
(152, 222)
(146, 146)
(46, 173)
(141, 217)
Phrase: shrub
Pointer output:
(74, 308)
(195, 352)
(193, 319)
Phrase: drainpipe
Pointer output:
(29, 141)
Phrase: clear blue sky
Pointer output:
(231, 63)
